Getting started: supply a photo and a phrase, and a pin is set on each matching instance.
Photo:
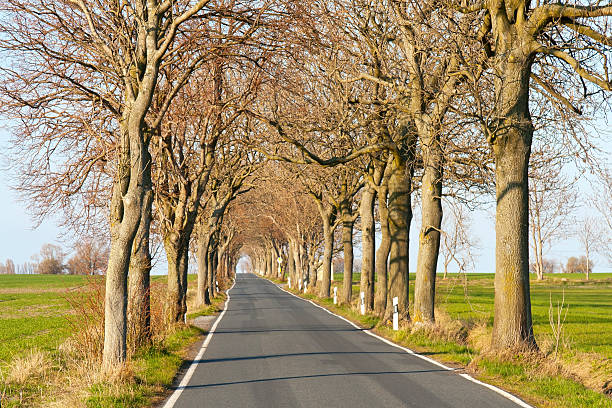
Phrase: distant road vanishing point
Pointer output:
(272, 349)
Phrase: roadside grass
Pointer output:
(464, 310)
(152, 371)
(38, 362)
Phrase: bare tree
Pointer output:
(50, 260)
(526, 45)
(103, 66)
(8, 267)
(458, 243)
(603, 202)
(589, 235)
(552, 200)
(90, 258)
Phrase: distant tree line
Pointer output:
(574, 265)
(90, 258)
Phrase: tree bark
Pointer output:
(211, 270)
(429, 237)
(139, 287)
(512, 326)
(328, 249)
(382, 254)
(347, 242)
(290, 270)
(126, 206)
(202, 296)
(400, 216)
(366, 211)
(177, 290)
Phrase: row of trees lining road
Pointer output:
(231, 128)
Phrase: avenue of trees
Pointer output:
(281, 129)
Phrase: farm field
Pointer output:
(33, 312)
(588, 325)
(38, 313)
(34, 308)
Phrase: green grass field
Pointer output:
(36, 316)
(32, 312)
(588, 325)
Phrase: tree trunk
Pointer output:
(126, 204)
(211, 271)
(429, 237)
(366, 210)
(290, 269)
(400, 216)
(347, 242)
(382, 254)
(139, 288)
(202, 296)
(176, 291)
(328, 249)
(588, 263)
(512, 326)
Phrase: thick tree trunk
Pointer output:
(139, 288)
(512, 325)
(429, 237)
(126, 206)
(366, 212)
(175, 303)
(400, 216)
(382, 254)
(328, 249)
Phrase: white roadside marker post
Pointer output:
(362, 302)
(305, 285)
(335, 295)
(217, 285)
(395, 314)
(289, 282)
(300, 285)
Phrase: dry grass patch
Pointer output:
(34, 366)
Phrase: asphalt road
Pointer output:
(272, 349)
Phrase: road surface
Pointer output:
(272, 349)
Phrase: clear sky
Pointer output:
(19, 241)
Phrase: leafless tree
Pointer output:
(458, 242)
(552, 200)
(602, 199)
(548, 46)
(89, 259)
(8, 268)
(589, 234)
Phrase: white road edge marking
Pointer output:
(179, 390)
(506, 394)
